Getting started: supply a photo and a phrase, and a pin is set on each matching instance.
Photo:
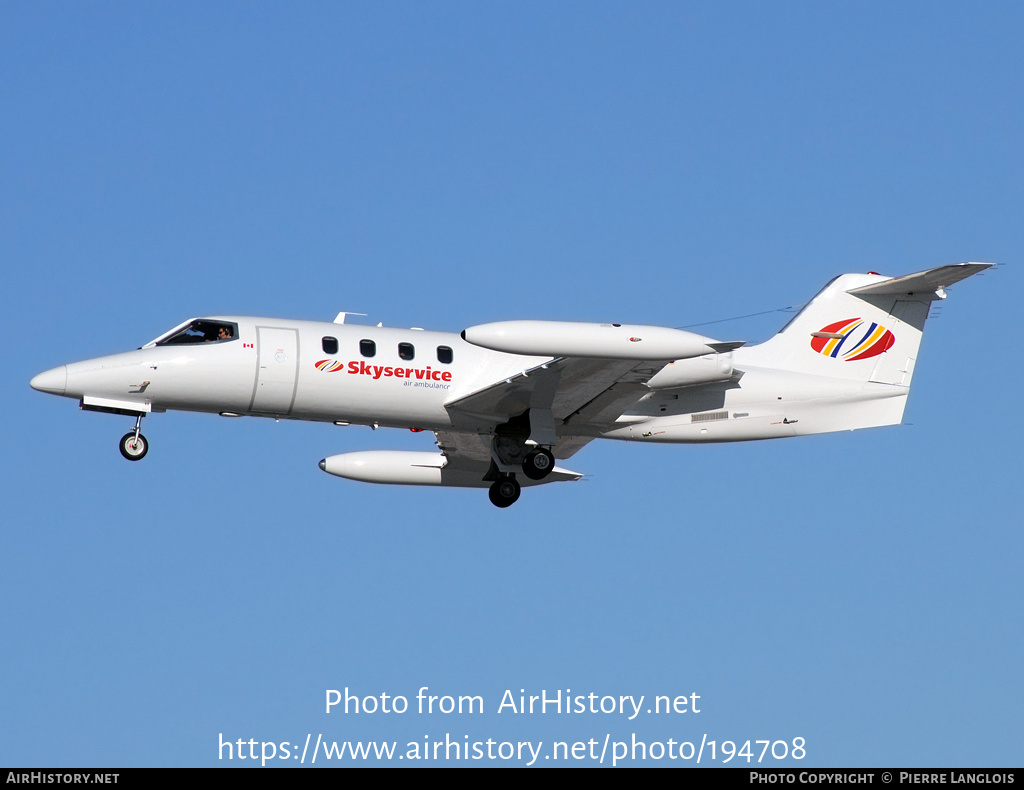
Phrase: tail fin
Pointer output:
(861, 327)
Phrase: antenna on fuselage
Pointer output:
(340, 317)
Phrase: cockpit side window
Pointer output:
(202, 332)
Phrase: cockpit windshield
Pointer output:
(201, 331)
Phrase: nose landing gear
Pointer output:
(134, 445)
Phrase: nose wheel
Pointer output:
(134, 445)
(504, 491)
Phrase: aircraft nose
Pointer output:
(55, 381)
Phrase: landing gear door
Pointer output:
(278, 369)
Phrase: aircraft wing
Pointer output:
(582, 394)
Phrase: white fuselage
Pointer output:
(280, 368)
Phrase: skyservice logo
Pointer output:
(845, 340)
(375, 372)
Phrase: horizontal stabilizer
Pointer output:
(923, 284)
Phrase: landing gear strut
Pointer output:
(504, 491)
(134, 445)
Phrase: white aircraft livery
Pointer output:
(505, 400)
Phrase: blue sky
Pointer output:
(446, 164)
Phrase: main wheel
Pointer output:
(538, 464)
(134, 449)
(504, 492)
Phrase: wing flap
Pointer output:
(563, 385)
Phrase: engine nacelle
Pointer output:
(697, 370)
(387, 466)
(601, 341)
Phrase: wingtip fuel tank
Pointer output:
(405, 467)
(598, 341)
(387, 466)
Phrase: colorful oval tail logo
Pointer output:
(329, 365)
(852, 339)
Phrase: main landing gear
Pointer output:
(538, 464)
(511, 452)
(504, 491)
(134, 445)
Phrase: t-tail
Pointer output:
(862, 332)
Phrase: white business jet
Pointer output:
(505, 400)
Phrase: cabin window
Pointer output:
(367, 348)
(329, 345)
(444, 355)
(406, 351)
(202, 332)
